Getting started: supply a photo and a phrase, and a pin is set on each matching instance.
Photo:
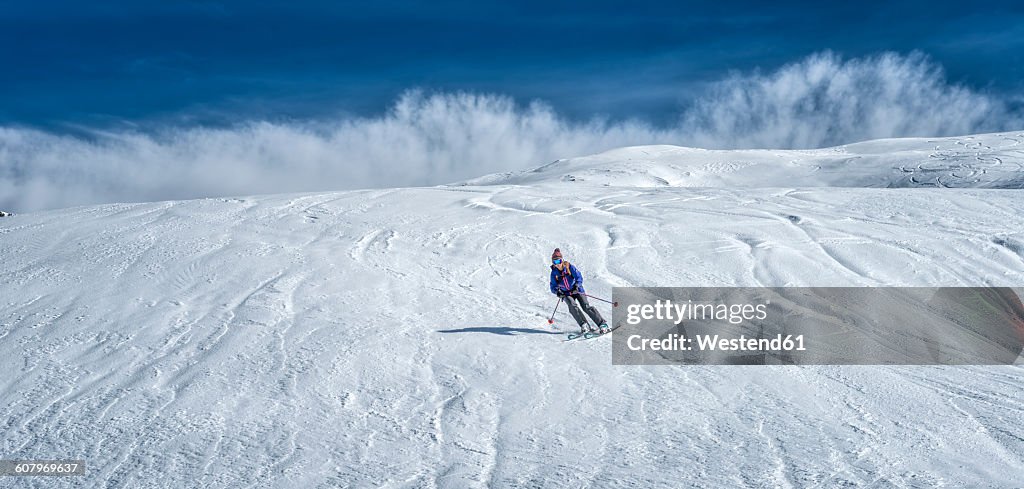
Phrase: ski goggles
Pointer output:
(557, 261)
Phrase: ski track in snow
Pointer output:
(398, 338)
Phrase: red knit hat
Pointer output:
(556, 254)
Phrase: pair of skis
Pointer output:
(588, 335)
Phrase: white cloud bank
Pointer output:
(820, 101)
(824, 101)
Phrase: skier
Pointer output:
(567, 283)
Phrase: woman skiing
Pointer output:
(567, 283)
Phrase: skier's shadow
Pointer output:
(500, 330)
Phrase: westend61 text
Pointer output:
(678, 342)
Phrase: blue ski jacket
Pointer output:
(564, 281)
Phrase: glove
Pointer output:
(574, 290)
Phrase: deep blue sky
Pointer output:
(108, 63)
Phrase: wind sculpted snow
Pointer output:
(399, 338)
(982, 161)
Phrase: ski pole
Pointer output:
(551, 320)
(614, 304)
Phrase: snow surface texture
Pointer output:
(398, 338)
(987, 161)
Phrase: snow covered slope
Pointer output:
(982, 161)
(398, 338)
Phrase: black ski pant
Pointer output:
(577, 314)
